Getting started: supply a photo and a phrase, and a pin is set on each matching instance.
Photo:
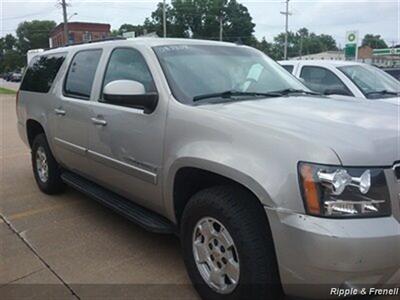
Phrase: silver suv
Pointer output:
(272, 189)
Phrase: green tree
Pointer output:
(374, 41)
(9, 42)
(304, 42)
(201, 19)
(238, 24)
(263, 45)
(155, 23)
(114, 33)
(10, 58)
(11, 61)
(34, 35)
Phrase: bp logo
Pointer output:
(351, 37)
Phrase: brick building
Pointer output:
(366, 55)
(79, 32)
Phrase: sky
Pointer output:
(333, 17)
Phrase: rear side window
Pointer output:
(288, 68)
(41, 72)
(80, 77)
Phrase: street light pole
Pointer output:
(164, 19)
(64, 7)
(287, 14)
(71, 16)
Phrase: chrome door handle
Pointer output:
(60, 112)
(99, 122)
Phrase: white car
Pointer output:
(345, 78)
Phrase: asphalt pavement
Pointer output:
(69, 246)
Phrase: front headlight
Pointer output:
(337, 192)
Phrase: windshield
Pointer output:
(373, 82)
(196, 70)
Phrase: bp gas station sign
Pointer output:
(351, 50)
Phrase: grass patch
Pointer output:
(4, 91)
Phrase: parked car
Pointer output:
(270, 187)
(345, 78)
(395, 72)
(15, 77)
(7, 76)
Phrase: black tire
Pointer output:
(53, 184)
(244, 218)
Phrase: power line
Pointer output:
(28, 15)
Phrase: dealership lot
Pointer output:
(72, 246)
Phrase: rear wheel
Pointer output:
(46, 170)
(227, 246)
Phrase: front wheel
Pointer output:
(227, 246)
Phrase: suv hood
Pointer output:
(395, 100)
(363, 133)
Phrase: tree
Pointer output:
(201, 19)
(9, 42)
(263, 46)
(34, 35)
(10, 58)
(11, 61)
(238, 24)
(304, 42)
(374, 41)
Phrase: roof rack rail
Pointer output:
(107, 39)
(111, 38)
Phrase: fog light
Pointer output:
(352, 207)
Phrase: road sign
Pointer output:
(351, 49)
(386, 51)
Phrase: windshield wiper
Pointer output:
(230, 94)
(294, 91)
(383, 92)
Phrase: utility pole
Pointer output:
(164, 19)
(64, 8)
(301, 46)
(287, 14)
(221, 28)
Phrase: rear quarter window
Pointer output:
(41, 72)
(79, 81)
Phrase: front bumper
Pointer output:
(315, 255)
(318, 254)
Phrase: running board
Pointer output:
(133, 212)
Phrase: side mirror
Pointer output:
(130, 93)
(336, 92)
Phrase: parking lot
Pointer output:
(70, 247)
(9, 85)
